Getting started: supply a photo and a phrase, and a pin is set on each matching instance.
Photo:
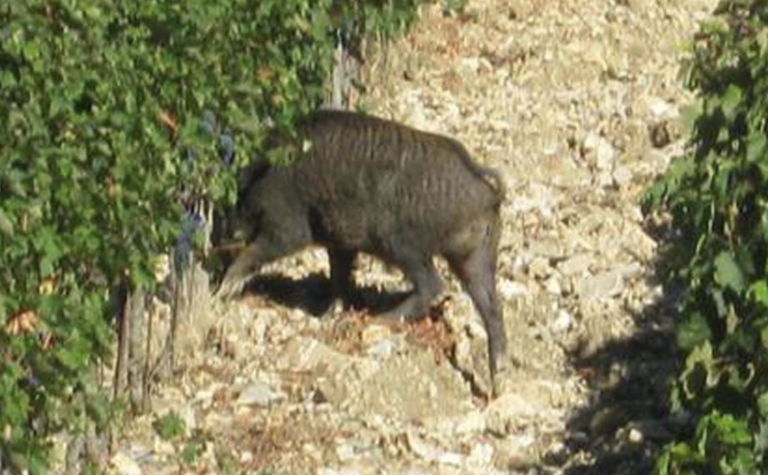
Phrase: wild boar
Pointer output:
(365, 184)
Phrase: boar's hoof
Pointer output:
(228, 289)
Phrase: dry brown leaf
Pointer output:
(169, 121)
(22, 322)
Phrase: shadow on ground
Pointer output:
(621, 431)
(313, 294)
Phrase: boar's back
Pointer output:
(356, 145)
(367, 176)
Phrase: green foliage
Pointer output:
(101, 137)
(169, 426)
(193, 448)
(387, 18)
(717, 196)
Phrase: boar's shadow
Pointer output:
(313, 293)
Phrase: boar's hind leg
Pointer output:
(342, 286)
(426, 286)
(473, 259)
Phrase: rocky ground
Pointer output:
(579, 104)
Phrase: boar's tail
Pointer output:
(483, 172)
(497, 181)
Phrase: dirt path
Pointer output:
(579, 104)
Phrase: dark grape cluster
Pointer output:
(226, 147)
(192, 220)
(225, 141)
(208, 123)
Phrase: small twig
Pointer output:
(123, 350)
(147, 359)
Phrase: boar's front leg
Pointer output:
(263, 250)
(245, 265)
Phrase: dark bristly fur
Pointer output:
(365, 184)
